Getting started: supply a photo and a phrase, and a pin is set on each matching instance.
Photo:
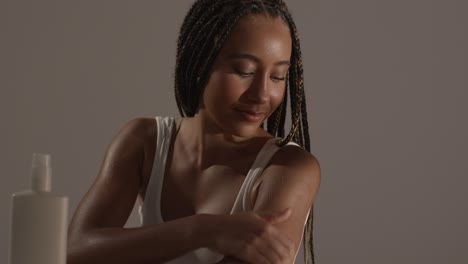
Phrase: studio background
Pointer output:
(386, 85)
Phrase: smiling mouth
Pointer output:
(251, 116)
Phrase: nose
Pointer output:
(258, 90)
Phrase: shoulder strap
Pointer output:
(151, 211)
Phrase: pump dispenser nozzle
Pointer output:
(41, 173)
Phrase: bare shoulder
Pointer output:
(128, 149)
(297, 162)
(142, 129)
(294, 169)
(292, 172)
(110, 199)
(295, 155)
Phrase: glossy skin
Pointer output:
(247, 75)
(210, 156)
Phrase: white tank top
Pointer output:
(150, 213)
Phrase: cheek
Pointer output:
(276, 98)
(233, 88)
(223, 89)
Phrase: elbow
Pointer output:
(78, 245)
(73, 250)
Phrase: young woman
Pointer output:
(215, 186)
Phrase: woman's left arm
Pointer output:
(292, 180)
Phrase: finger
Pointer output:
(279, 217)
(253, 254)
(279, 243)
(272, 250)
(268, 216)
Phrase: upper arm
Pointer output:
(111, 198)
(292, 181)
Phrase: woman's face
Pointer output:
(248, 79)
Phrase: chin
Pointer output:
(242, 130)
(232, 125)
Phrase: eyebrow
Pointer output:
(254, 58)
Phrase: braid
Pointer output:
(190, 40)
(202, 35)
(305, 123)
(282, 117)
(298, 109)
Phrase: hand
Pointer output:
(252, 237)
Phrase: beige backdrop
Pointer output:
(387, 102)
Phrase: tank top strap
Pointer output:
(151, 205)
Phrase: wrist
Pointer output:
(203, 230)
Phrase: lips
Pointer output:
(251, 115)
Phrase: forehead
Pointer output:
(262, 36)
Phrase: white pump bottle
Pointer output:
(39, 220)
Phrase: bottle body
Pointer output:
(38, 228)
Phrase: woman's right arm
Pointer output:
(96, 233)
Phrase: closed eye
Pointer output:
(278, 79)
(244, 74)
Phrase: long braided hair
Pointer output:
(202, 35)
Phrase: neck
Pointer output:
(209, 142)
